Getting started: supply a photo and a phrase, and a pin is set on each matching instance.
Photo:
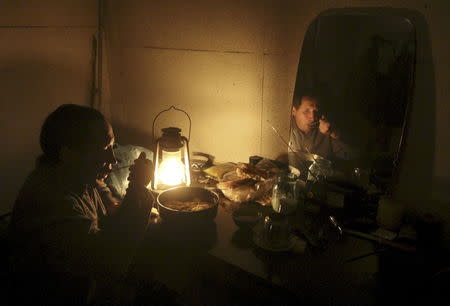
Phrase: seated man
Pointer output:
(68, 241)
(310, 134)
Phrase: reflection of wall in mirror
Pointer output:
(365, 79)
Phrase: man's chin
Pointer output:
(306, 129)
(102, 176)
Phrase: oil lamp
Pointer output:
(171, 157)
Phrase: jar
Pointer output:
(285, 195)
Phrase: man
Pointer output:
(310, 134)
(69, 243)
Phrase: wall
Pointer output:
(230, 64)
(45, 61)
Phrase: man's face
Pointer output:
(304, 115)
(94, 158)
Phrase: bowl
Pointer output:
(248, 214)
(184, 194)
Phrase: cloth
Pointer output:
(65, 242)
(317, 143)
(125, 155)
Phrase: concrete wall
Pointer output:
(45, 61)
(230, 64)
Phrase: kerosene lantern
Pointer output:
(171, 158)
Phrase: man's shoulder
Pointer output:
(40, 198)
(35, 186)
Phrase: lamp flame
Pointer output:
(172, 169)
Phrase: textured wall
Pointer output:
(45, 59)
(230, 64)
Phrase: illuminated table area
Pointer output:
(218, 263)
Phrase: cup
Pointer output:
(276, 231)
(319, 170)
(285, 197)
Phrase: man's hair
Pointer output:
(69, 125)
(310, 94)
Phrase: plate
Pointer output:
(264, 245)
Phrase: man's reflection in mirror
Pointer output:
(312, 133)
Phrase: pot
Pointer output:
(187, 194)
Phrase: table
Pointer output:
(217, 264)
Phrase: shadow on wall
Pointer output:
(31, 89)
(133, 136)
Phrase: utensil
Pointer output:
(336, 225)
(397, 245)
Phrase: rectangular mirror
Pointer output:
(353, 87)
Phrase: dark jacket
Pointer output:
(64, 241)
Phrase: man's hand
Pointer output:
(324, 126)
(138, 199)
(141, 171)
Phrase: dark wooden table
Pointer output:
(218, 264)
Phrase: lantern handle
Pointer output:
(166, 110)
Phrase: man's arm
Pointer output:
(340, 149)
(105, 250)
(74, 243)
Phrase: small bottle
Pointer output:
(276, 195)
(284, 195)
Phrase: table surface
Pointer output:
(218, 263)
(321, 276)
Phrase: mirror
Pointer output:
(352, 91)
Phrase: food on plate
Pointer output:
(243, 182)
(194, 205)
(218, 171)
(247, 189)
(249, 171)
(240, 190)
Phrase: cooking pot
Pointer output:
(187, 194)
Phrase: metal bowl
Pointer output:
(187, 194)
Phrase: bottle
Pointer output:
(285, 195)
(276, 195)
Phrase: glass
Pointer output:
(311, 222)
(276, 231)
(361, 177)
(320, 170)
(285, 195)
